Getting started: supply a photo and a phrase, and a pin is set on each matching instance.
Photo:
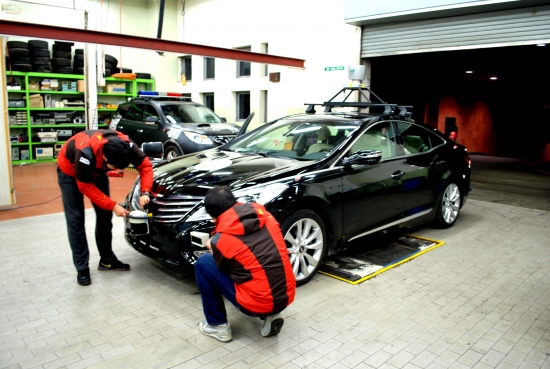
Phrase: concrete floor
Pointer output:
(482, 300)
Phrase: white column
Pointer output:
(7, 194)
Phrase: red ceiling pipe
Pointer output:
(10, 28)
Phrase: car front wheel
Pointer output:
(448, 207)
(306, 241)
(171, 152)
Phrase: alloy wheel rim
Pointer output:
(451, 203)
(305, 242)
(171, 155)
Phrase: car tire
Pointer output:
(306, 241)
(448, 206)
(171, 152)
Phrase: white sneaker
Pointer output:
(272, 325)
(220, 332)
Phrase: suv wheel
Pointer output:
(171, 152)
(306, 241)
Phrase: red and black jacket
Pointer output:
(249, 246)
(82, 157)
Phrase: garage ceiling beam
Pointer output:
(10, 28)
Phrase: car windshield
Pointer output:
(189, 113)
(296, 139)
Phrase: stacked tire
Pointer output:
(19, 56)
(110, 65)
(61, 61)
(40, 56)
(78, 61)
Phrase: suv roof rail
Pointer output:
(389, 109)
(162, 98)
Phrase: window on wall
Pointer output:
(209, 68)
(265, 50)
(243, 68)
(243, 105)
(208, 100)
(186, 67)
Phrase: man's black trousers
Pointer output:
(73, 204)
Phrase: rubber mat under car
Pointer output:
(354, 267)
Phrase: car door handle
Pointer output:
(398, 175)
(119, 126)
(140, 130)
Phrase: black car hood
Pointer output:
(196, 173)
(211, 129)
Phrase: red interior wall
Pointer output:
(474, 121)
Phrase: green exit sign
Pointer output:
(329, 69)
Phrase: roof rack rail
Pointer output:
(389, 109)
(163, 98)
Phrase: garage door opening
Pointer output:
(498, 98)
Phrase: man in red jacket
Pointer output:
(82, 167)
(249, 266)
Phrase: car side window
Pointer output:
(123, 111)
(136, 112)
(379, 137)
(416, 139)
(151, 111)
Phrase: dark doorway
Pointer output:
(507, 116)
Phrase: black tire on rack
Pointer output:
(57, 47)
(64, 70)
(43, 68)
(107, 72)
(79, 51)
(64, 43)
(125, 70)
(111, 59)
(78, 70)
(40, 52)
(21, 67)
(18, 53)
(78, 57)
(20, 61)
(62, 54)
(110, 66)
(38, 44)
(41, 61)
(61, 62)
(17, 45)
(78, 64)
(143, 75)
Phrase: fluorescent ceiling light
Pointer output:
(541, 44)
(493, 78)
(469, 71)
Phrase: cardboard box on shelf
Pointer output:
(116, 88)
(44, 153)
(80, 86)
(36, 101)
(33, 86)
(24, 154)
(15, 153)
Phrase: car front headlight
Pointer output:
(136, 191)
(199, 139)
(261, 194)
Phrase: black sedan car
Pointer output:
(181, 125)
(328, 178)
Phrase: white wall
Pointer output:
(306, 29)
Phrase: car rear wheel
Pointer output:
(305, 239)
(171, 152)
(448, 207)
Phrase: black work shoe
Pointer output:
(113, 265)
(83, 277)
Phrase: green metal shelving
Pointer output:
(132, 87)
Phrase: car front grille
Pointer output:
(171, 208)
(222, 140)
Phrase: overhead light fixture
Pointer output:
(469, 71)
(541, 44)
(493, 78)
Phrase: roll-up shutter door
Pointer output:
(504, 28)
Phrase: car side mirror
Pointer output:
(363, 157)
(152, 119)
(223, 119)
(153, 149)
